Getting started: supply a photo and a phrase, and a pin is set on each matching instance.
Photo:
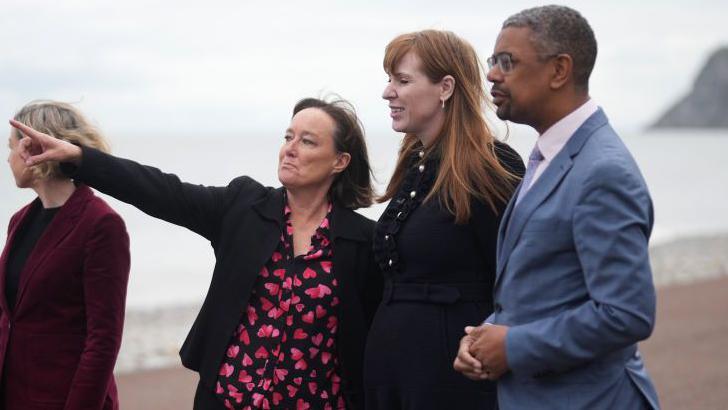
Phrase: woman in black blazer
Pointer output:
(294, 288)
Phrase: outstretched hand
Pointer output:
(36, 147)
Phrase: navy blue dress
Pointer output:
(438, 278)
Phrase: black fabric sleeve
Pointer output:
(510, 160)
(197, 207)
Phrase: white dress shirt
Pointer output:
(553, 139)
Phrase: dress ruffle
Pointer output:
(417, 183)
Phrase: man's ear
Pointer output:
(563, 70)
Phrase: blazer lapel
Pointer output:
(261, 234)
(255, 243)
(63, 223)
(541, 189)
(503, 228)
(271, 207)
(6, 252)
(344, 224)
(259, 239)
(346, 236)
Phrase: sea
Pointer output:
(686, 172)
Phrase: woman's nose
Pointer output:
(388, 92)
(289, 149)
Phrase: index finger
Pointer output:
(26, 130)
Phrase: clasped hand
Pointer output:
(482, 352)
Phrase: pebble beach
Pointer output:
(685, 354)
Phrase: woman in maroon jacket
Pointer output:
(63, 277)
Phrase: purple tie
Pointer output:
(533, 160)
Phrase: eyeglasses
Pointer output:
(503, 60)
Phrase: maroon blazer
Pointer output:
(59, 345)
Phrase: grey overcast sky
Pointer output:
(184, 67)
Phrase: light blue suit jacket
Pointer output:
(574, 281)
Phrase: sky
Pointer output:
(156, 68)
(206, 89)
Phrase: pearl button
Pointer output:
(422, 168)
(412, 194)
(386, 237)
(390, 262)
(422, 154)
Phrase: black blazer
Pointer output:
(243, 222)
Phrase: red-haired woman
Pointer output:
(435, 242)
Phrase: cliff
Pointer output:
(706, 106)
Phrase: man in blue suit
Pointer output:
(573, 292)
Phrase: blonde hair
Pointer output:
(469, 166)
(59, 120)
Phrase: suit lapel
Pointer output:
(546, 183)
(63, 223)
(512, 228)
(503, 227)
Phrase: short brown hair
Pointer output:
(352, 187)
(60, 120)
(557, 30)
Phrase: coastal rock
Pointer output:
(706, 106)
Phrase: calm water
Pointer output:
(685, 171)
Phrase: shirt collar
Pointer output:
(554, 138)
